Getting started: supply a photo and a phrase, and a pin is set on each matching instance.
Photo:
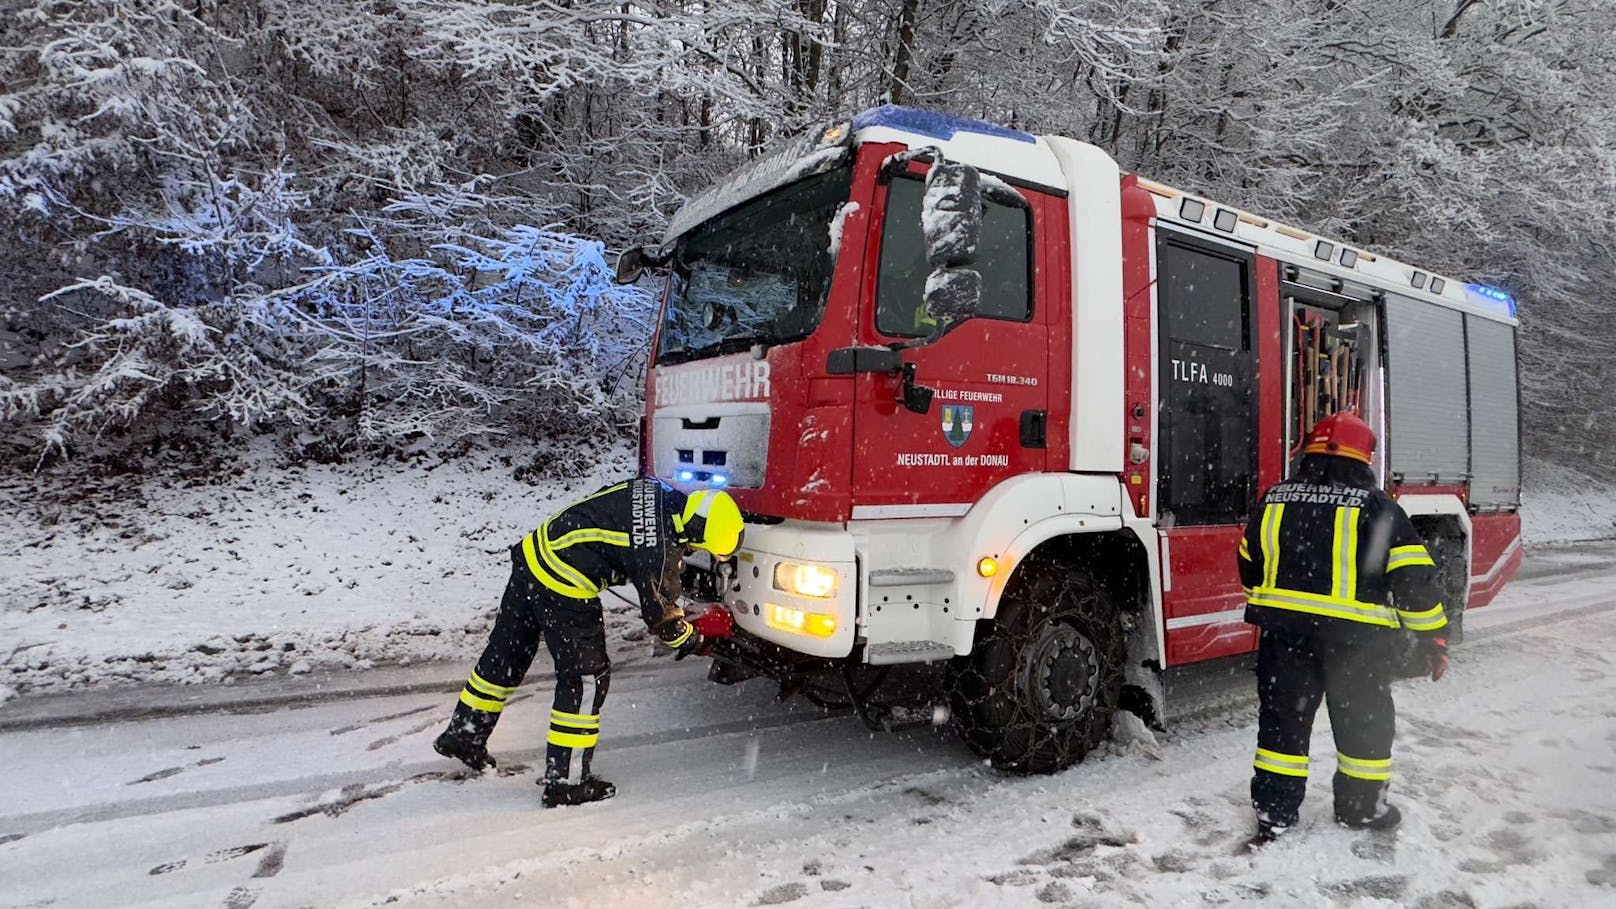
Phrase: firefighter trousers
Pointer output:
(575, 633)
(1293, 674)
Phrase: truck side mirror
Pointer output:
(951, 214)
(631, 264)
(953, 295)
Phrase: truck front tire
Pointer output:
(1043, 679)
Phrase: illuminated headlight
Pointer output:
(813, 624)
(805, 580)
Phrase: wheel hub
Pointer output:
(1061, 672)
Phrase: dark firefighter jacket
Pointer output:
(628, 532)
(1329, 555)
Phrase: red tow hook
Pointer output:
(715, 622)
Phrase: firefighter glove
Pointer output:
(683, 638)
(1435, 650)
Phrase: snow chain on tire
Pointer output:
(1042, 681)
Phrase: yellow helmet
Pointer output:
(722, 525)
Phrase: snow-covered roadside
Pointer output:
(286, 570)
(1561, 505)
(276, 570)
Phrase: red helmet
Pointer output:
(1342, 434)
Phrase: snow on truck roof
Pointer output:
(1025, 158)
(1007, 152)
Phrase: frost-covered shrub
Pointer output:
(523, 333)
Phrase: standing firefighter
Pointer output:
(1332, 569)
(633, 532)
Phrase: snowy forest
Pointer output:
(385, 224)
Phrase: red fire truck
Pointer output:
(998, 410)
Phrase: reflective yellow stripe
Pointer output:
(561, 577)
(1280, 763)
(566, 574)
(1429, 620)
(575, 720)
(1364, 768)
(1319, 604)
(1405, 556)
(1271, 518)
(544, 577)
(560, 568)
(1245, 553)
(1344, 568)
(477, 703)
(573, 739)
(689, 630)
(590, 535)
(484, 686)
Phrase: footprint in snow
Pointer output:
(222, 855)
(1446, 899)
(272, 862)
(783, 893)
(1605, 875)
(1204, 828)
(1590, 823)
(1511, 847)
(1382, 887)
(1375, 849)
(1054, 892)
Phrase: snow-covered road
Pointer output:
(1506, 771)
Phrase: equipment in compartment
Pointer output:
(1327, 369)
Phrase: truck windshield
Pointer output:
(756, 275)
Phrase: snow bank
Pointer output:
(279, 570)
(1561, 505)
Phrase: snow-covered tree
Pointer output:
(271, 162)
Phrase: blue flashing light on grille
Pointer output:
(933, 124)
(720, 480)
(1494, 294)
(685, 476)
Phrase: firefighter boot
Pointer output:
(466, 739)
(1386, 820)
(1266, 833)
(589, 789)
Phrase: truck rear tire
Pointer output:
(1453, 576)
(1043, 679)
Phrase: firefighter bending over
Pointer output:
(634, 532)
(1332, 569)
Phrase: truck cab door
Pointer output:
(1207, 440)
(988, 418)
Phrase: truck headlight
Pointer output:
(805, 580)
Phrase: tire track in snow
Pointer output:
(24, 824)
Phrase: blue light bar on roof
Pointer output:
(930, 123)
(1494, 294)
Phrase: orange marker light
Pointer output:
(987, 566)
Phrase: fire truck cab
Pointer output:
(992, 405)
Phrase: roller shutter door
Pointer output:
(1428, 431)
(1495, 458)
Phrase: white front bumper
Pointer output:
(752, 593)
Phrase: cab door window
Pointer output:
(1004, 258)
